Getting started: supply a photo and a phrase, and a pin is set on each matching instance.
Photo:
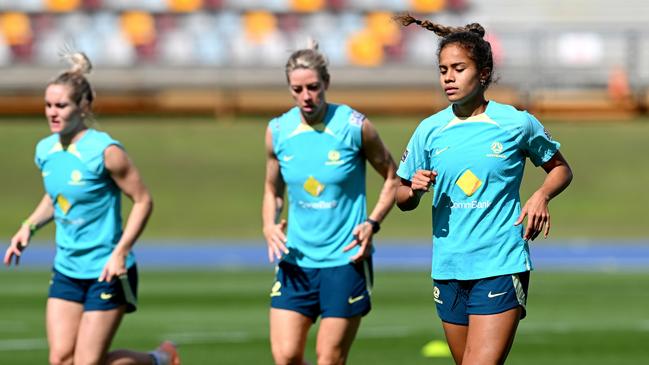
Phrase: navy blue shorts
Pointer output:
(341, 291)
(457, 299)
(95, 295)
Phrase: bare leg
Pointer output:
(288, 332)
(456, 338)
(491, 337)
(335, 338)
(96, 332)
(62, 321)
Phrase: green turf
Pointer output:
(206, 176)
(220, 317)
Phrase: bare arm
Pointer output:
(410, 192)
(40, 216)
(273, 203)
(127, 177)
(379, 157)
(536, 208)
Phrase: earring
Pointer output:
(483, 82)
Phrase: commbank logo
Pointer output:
(468, 182)
(63, 203)
(313, 186)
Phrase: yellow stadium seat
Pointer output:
(259, 25)
(139, 27)
(427, 6)
(384, 28)
(307, 6)
(62, 6)
(184, 6)
(364, 49)
(16, 28)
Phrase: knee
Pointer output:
(60, 358)
(330, 356)
(287, 355)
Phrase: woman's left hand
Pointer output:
(363, 238)
(115, 267)
(538, 216)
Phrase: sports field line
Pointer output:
(368, 332)
(16, 344)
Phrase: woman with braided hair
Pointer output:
(473, 153)
(317, 151)
(94, 279)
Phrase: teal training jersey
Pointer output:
(476, 201)
(87, 203)
(324, 171)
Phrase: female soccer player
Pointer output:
(318, 151)
(94, 279)
(474, 152)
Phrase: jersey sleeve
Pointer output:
(538, 142)
(415, 156)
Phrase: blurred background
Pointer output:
(188, 87)
(550, 55)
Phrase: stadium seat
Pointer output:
(59, 6)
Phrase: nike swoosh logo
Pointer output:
(439, 151)
(105, 296)
(491, 295)
(351, 300)
(287, 158)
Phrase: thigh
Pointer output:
(63, 319)
(335, 338)
(296, 289)
(490, 337)
(345, 291)
(456, 335)
(96, 332)
(451, 298)
(499, 294)
(108, 295)
(288, 333)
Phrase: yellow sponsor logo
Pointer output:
(313, 186)
(105, 296)
(63, 203)
(468, 182)
(274, 292)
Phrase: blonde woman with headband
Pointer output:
(472, 155)
(317, 151)
(94, 279)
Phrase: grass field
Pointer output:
(206, 176)
(220, 317)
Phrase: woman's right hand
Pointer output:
(18, 243)
(276, 240)
(422, 180)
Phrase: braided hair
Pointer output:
(470, 37)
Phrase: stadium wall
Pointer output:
(377, 100)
